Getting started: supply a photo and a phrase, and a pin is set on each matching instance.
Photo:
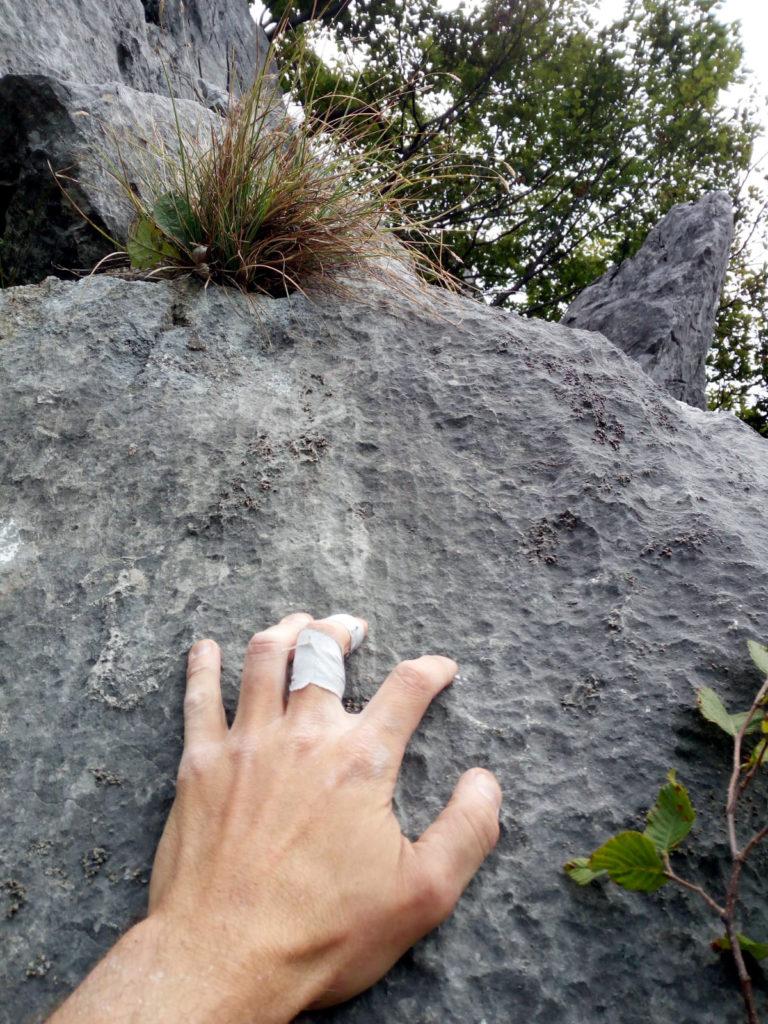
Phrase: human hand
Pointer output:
(282, 879)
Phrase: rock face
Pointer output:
(660, 306)
(89, 134)
(95, 71)
(517, 494)
(198, 45)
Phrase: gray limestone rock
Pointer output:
(141, 43)
(177, 463)
(660, 305)
(88, 133)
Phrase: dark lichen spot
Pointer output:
(39, 967)
(104, 777)
(93, 860)
(16, 894)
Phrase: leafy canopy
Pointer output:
(598, 131)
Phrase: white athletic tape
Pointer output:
(353, 626)
(318, 659)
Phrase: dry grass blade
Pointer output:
(273, 202)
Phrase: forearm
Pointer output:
(156, 974)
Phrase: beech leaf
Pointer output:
(580, 872)
(759, 950)
(632, 861)
(713, 709)
(672, 816)
(759, 655)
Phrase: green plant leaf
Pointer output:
(759, 950)
(672, 816)
(713, 709)
(147, 246)
(632, 861)
(759, 655)
(754, 726)
(757, 754)
(174, 217)
(580, 872)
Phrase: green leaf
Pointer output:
(672, 816)
(632, 861)
(758, 754)
(174, 217)
(741, 716)
(759, 950)
(580, 872)
(147, 246)
(759, 655)
(713, 709)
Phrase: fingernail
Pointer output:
(200, 648)
(486, 784)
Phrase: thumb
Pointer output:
(458, 841)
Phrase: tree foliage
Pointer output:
(597, 131)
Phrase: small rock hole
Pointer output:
(152, 10)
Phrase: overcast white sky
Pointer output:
(753, 15)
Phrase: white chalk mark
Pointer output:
(10, 541)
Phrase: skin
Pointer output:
(282, 880)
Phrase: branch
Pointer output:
(758, 837)
(313, 13)
(669, 872)
(733, 787)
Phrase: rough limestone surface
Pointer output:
(90, 135)
(178, 463)
(660, 305)
(199, 46)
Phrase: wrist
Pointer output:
(161, 970)
(200, 980)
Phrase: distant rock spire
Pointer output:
(660, 305)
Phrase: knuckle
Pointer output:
(484, 827)
(242, 751)
(196, 669)
(304, 739)
(296, 618)
(196, 700)
(412, 676)
(356, 762)
(438, 894)
(196, 762)
(265, 644)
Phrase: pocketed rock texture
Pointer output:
(660, 306)
(177, 463)
(89, 135)
(84, 92)
(199, 46)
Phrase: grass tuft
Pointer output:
(274, 199)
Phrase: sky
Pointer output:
(753, 15)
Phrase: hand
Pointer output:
(282, 879)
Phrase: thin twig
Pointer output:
(739, 857)
(673, 877)
(758, 837)
(733, 787)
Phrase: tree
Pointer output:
(577, 139)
